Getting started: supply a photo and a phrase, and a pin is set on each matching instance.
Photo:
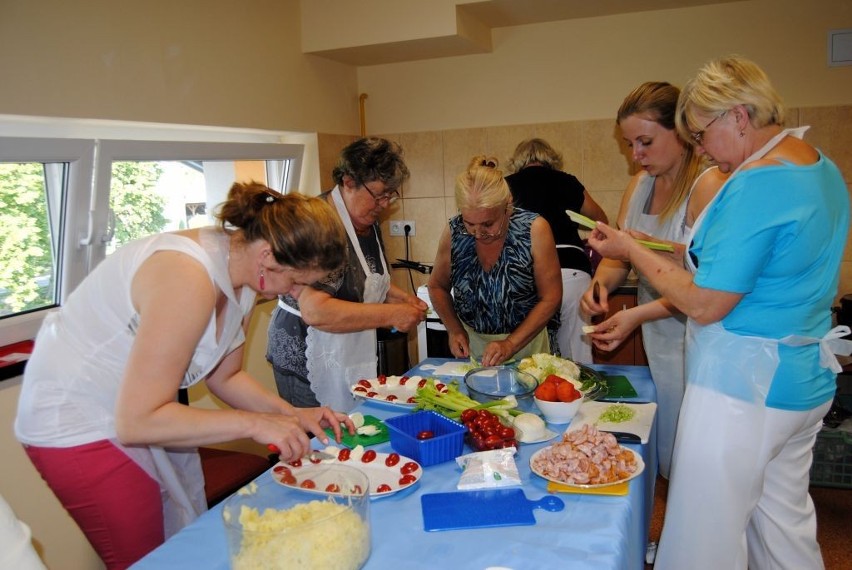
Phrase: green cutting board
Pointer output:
(351, 441)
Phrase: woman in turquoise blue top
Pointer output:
(496, 283)
(764, 268)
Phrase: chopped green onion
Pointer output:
(617, 413)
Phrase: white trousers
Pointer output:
(738, 495)
(573, 344)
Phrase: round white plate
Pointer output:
(377, 470)
(640, 466)
(394, 390)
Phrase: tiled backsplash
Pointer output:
(592, 150)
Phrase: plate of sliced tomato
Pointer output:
(388, 473)
(397, 391)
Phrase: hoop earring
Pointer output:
(742, 134)
(261, 282)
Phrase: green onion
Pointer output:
(617, 413)
(581, 219)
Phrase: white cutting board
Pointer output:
(590, 413)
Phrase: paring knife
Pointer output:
(314, 454)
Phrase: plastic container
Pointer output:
(445, 445)
(496, 382)
(278, 527)
(832, 466)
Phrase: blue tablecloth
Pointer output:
(593, 531)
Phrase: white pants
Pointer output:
(738, 496)
(572, 342)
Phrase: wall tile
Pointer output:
(424, 158)
(459, 147)
(606, 163)
(501, 142)
(567, 139)
(328, 148)
(831, 132)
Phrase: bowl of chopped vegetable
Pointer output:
(492, 383)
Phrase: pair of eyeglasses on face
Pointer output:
(698, 137)
(385, 198)
(476, 234)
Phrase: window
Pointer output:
(60, 216)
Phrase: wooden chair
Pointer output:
(225, 471)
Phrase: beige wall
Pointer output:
(226, 63)
(581, 69)
(202, 62)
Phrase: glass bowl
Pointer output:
(496, 382)
(273, 526)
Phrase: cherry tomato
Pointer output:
(365, 383)
(421, 383)
(382, 379)
(308, 484)
(280, 469)
(314, 459)
(507, 433)
(441, 387)
(372, 394)
(357, 490)
(361, 389)
(295, 463)
(368, 456)
(409, 467)
(407, 479)
(392, 397)
(392, 459)
(332, 488)
(493, 442)
(383, 488)
(467, 415)
(411, 400)
(343, 454)
(403, 380)
(288, 479)
(426, 434)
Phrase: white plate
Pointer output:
(640, 466)
(376, 470)
(393, 390)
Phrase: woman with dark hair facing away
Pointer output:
(539, 184)
(325, 341)
(98, 413)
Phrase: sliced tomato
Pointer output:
(288, 478)
(421, 383)
(383, 488)
(411, 400)
(280, 469)
(295, 463)
(392, 397)
(407, 479)
(365, 383)
(392, 459)
(308, 484)
(359, 389)
(332, 488)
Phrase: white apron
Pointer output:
(178, 471)
(714, 356)
(338, 360)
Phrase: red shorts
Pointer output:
(113, 501)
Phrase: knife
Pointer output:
(625, 437)
(313, 455)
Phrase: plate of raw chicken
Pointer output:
(587, 458)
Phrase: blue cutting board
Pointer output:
(482, 509)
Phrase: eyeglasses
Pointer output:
(699, 136)
(387, 198)
(483, 235)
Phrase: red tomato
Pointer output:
(359, 389)
(372, 394)
(411, 400)
(409, 467)
(280, 469)
(467, 415)
(566, 392)
(383, 488)
(546, 392)
(357, 490)
(392, 459)
(507, 433)
(365, 383)
(391, 397)
(332, 488)
(382, 379)
(288, 478)
(554, 379)
(407, 479)
(441, 387)
(314, 459)
(421, 383)
(426, 434)
(368, 456)
(308, 484)
(493, 442)
(295, 463)
(403, 380)
(343, 454)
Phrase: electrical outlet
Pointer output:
(397, 227)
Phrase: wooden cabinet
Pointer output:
(631, 350)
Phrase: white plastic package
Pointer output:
(488, 469)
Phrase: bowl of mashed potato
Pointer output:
(271, 526)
